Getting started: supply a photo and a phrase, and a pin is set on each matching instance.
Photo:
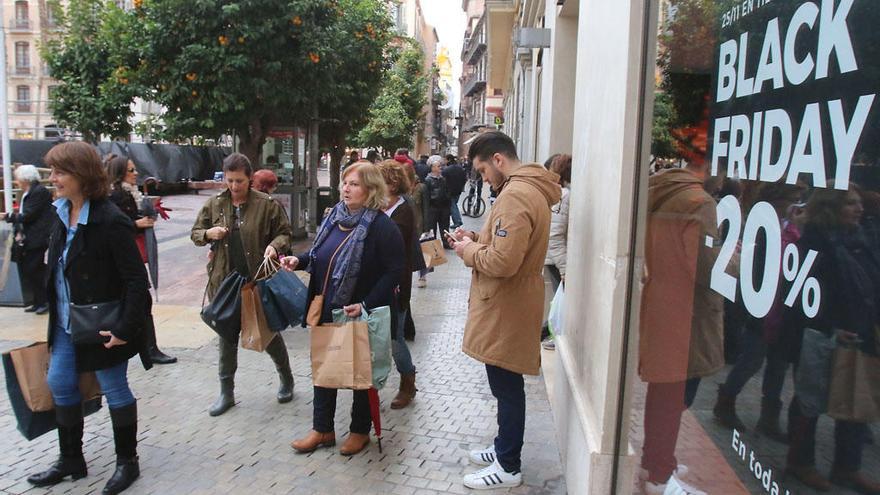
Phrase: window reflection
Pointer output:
(758, 355)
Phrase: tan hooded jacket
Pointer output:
(682, 331)
(507, 289)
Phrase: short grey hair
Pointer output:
(28, 173)
(435, 159)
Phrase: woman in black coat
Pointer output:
(125, 195)
(32, 222)
(401, 211)
(93, 259)
(359, 251)
(847, 268)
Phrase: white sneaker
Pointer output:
(492, 477)
(672, 487)
(681, 471)
(485, 457)
(422, 283)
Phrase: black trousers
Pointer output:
(438, 216)
(325, 411)
(32, 271)
(509, 389)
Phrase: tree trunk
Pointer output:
(337, 152)
(314, 160)
(251, 141)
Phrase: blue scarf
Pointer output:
(347, 266)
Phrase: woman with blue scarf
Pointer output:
(359, 252)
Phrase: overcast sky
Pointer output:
(449, 20)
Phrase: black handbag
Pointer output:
(86, 320)
(223, 313)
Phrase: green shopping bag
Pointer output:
(379, 324)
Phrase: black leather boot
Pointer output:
(278, 352)
(725, 411)
(768, 423)
(227, 367)
(70, 462)
(157, 356)
(125, 438)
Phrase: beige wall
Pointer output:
(558, 85)
(605, 137)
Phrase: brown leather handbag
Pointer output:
(313, 318)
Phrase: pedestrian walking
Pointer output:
(94, 260)
(848, 270)
(437, 196)
(402, 156)
(355, 263)
(420, 204)
(243, 227)
(123, 174)
(456, 179)
(506, 298)
(554, 264)
(422, 168)
(400, 210)
(32, 224)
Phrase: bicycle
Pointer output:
(473, 205)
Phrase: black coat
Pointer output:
(437, 192)
(422, 170)
(381, 266)
(456, 179)
(36, 221)
(103, 264)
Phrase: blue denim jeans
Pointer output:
(64, 380)
(399, 349)
(753, 350)
(455, 212)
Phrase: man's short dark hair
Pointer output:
(487, 144)
(237, 162)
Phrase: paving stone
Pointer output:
(246, 450)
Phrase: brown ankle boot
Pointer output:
(855, 480)
(355, 443)
(809, 476)
(406, 393)
(313, 441)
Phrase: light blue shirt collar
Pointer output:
(62, 207)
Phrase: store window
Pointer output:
(759, 319)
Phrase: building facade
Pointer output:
(29, 85)
(486, 66)
(722, 197)
(410, 21)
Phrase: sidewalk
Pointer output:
(183, 450)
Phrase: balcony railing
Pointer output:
(23, 70)
(20, 25)
(476, 44)
(474, 84)
(23, 106)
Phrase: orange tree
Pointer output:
(222, 67)
(96, 84)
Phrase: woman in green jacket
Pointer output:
(243, 227)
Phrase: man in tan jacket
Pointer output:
(507, 294)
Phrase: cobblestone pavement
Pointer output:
(183, 450)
